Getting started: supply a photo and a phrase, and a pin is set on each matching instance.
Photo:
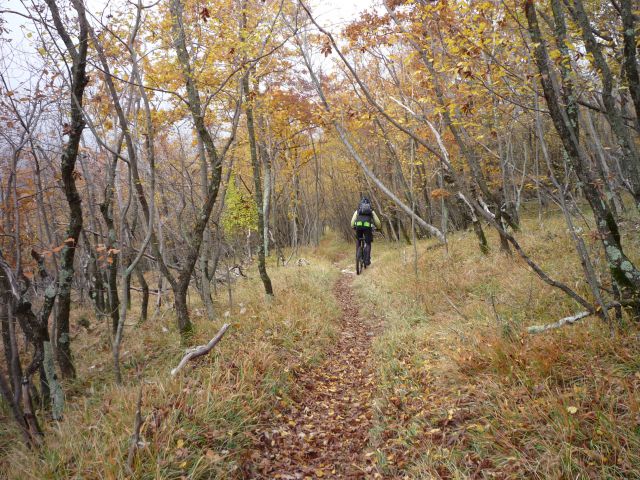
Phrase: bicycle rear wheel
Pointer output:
(359, 258)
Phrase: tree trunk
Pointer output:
(631, 53)
(182, 310)
(257, 184)
(67, 169)
(622, 269)
(631, 158)
(106, 209)
(144, 307)
(205, 284)
(215, 160)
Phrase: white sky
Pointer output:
(331, 14)
(339, 12)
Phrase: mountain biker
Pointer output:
(363, 221)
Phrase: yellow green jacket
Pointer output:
(376, 220)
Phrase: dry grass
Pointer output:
(465, 393)
(197, 425)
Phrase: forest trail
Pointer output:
(325, 431)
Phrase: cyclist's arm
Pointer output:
(353, 219)
(376, 221)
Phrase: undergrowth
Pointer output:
(197, 425)
(465, 392)
(462, 390)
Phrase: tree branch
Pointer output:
(201, 350)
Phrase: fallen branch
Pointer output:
(578, 316)
(563, 321)
(200, 350)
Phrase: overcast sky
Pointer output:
(331, 14)
(335, 12)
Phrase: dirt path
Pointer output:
(324, 434)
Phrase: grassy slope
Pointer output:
(464, 392)
(197, 424)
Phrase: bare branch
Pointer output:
(201, 350)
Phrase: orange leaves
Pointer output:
(325, 49)
(106, 255)
(69, 242)
(440, 193)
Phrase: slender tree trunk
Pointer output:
(205, 284)
(144, 286)
(257, 185)
(194, 105)
(67, 169)
(106, 209)
(631, 158)
(629, 26)
(15, 408)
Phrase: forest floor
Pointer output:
(421, 367)
(325, 431)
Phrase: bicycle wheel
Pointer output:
(359, 257)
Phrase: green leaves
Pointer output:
(240, 212)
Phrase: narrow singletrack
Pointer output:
(325, 432)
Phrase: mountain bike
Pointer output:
(359, 254)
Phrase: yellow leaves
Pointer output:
(555, 54)
(572, 410)
(180, 443)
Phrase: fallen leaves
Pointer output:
(324, 431)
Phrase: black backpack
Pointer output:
(364, 208)
(365, 215)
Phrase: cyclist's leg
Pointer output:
(368, 238)
(359, 236)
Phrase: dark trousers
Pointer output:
(367, 235)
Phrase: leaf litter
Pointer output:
(324, 431)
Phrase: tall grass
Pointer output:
(464, 392)
(199, 424)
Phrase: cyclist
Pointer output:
(363, 221)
